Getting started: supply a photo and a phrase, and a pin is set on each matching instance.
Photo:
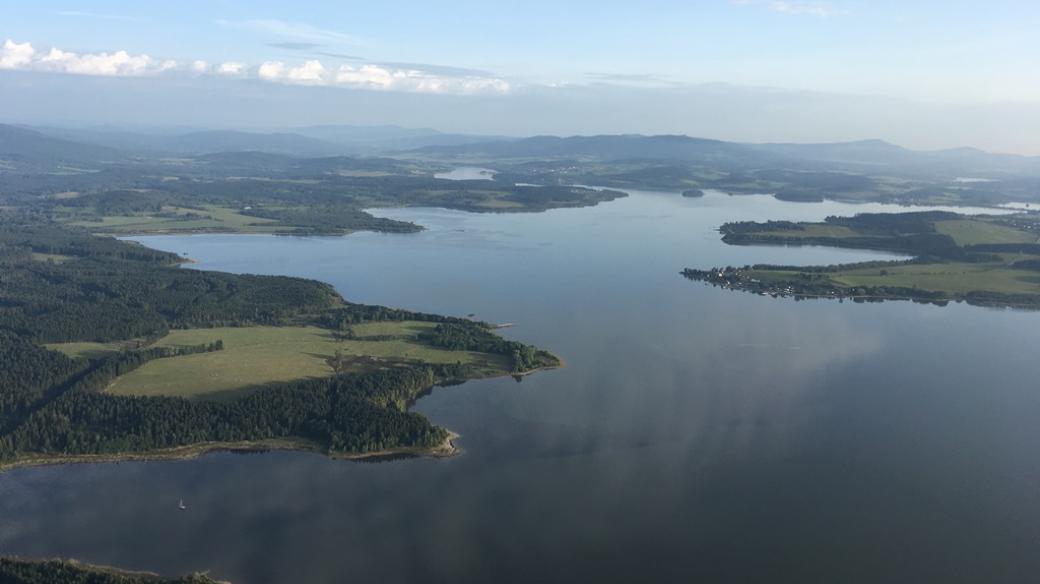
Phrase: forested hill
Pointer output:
(862, 153)
(860, 171)
(60, 285)
(265, 190)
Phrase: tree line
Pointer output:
(16, 571)
(109, 290)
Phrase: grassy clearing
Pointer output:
(256, 356)
(90, 350)
(50, 257)
(974, 231)
(181, 219)
(500, 204)
(952, 278)
(958, 271)
(813, 230)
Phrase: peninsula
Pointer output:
(109, 351)
(982, 259)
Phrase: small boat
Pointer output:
(182, 506)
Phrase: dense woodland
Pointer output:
(461, 336)
(63, 285)
(912, 233)
(15, 571)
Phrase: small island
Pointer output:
(981, 260)
(110, 351)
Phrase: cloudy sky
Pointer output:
(926, 74)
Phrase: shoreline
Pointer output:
(445, 449)
(105, 569)
(560, 365)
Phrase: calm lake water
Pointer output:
(696, 434)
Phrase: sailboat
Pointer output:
(182, 506)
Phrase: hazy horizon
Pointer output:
(928, 76)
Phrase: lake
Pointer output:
(696, 434)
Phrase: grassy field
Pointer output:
(952, 278)
(50, 257)
(90, 350)
(974, 231)
(959, 272)
(179, 219)
(812, 230)
(256, 356)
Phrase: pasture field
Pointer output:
(256, 356)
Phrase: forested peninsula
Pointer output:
(982, 260)
(83, 315)
(19, 571)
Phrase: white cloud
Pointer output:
(119, 63)
(310, 73)
(378, 77)
(385, 77)
(231, 68)
(271, 71)
(370, 76)
(16, 55)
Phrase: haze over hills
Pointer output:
(198, 142)
(78, 145)
(677, 148)
(367, 139)
(328, 140)
(28, 146)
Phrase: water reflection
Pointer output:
(694, 434)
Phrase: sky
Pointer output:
(927, 74)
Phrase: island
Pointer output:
(983, 260)
(110, 351)
(15, 570)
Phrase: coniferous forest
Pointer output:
(59, 284)
(14, 571)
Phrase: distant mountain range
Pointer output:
(43, 145)
(25, 145)
(302, 142)
(859, 155)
